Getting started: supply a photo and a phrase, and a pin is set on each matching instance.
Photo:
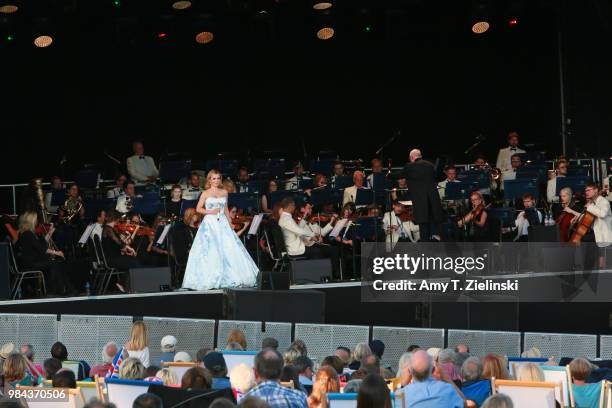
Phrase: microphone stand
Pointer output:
(479, 140)
(387, 143)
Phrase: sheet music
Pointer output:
(163, 235)
(86, 234)
(255, 224)
(338, 227)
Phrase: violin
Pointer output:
(134, 229)
(406, 215)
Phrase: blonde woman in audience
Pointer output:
(132, 369)
(168, 377)
(237, 336)
(326, 381)
(15, 372)
(585, 394)
(529, 372)
(242, 379)
(433, 352)
(291, 355)
(138, 345)
(494, 365)
(361, 351)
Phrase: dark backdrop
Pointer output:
(433, 80)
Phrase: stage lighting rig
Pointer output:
(324, 24)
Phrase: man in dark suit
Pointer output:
(421, 179)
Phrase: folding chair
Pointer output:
(20, 276)
(109, 271)
(561, 375)
(179, 369)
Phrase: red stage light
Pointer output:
(513, 22)
(162, 35)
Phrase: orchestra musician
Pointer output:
(421, 177)
(504, 155)
(605, 191)
(480, 161)
(125, 202)
(551, 187)
(99, 224)
(240, 226)
(401, 192)
(57, 187)
(338, 172)
(229, 186)
(350, 193)
(476, 222)
(72, 211)
(117, 189)
(141, 168)
(157, 254)
(377, 168)
(529, 216)
(242, 185)
(296, 237)
(266, 197)
(173, 205)
(306, 220)
(398, 226)
(183, 234)
(298, 175)
(565, 212)
(118, 253)
(193, 189)
(347, 242)
(600, 208)
(38, 254)
(510, 174)
(451, 177)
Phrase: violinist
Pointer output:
(119, 254)
(266, 199)
(239, 223)
(38, 254)
(398, 226)
(529, 216)
(173, 205)
(157, 254)
(346, 240)
(125, 202)
(565, 212)
(306, 220)
(475, 223)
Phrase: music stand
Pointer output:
(272, 167)
(505, 215)
(323, 166)
(58, 197)
(366, 228)
(576, 183)
(147, 206)
(244, 201)
(460, 191)
(173, 171)
(185, 204)
(364, 197)
(380, 182)
(277, 196)
(305, 184)
(533, 157)
(514, 189)
(342, 182)
(323, 196)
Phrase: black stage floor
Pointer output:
(334, 303)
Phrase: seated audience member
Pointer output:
(108, 354)
(462, 348)
(27, 350)
(237, 336)
(290, 375)
(361, 351)
(215, 363)
(201, 354)
(529, 372)
(585, 395)
(494, 365)
(167, 376)
(138, 345)
(148, 400)
(291, 355)
(268, 369)
(402, 366)
(196, 378)
(168, 349)
(378, 348)
(374, 393)
(498, 401)
(234, 346)
(304, 367)
(474, 387)
(64, 379)
(182, 357)
(551, 187)
(269, 343)
(51, 366)
(222, 403)
(326, 381)
(529, 216)
(371, 364)
(433, 352)
(59, 351)
(15, 372)
(132, 369)
(352, 386)
(151, 371)
(423, 390)
(344, 354)
(300, 346)
(447, 361)
(413, 347)
(242, 379)
(334, 362)
(254, 402)
(141, 168)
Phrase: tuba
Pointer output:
(40, 197)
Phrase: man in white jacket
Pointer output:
(600, 208)
(397, 230)
(504, 155)
(141, 168)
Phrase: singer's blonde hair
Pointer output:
(209, 177)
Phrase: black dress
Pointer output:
(112, 246)
(33, 255)
(173, 208)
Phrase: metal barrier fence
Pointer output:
(84, 337)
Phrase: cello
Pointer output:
(582, 226)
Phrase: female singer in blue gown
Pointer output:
(217, 259)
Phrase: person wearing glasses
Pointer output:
(551, 188)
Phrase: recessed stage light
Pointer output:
(8, 9)
(322, 5)
(43, 41)
(181, 4)
(325, 33)
(204, 37)
(480, 27)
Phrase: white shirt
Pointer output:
(97, 230)
(293, 234)
(191, 193)
(142, 355)
(114, 192)
(350, 195)
(140, 168)
(522, 224)
(504, 157)
(551, 190)
(407, 229)
(122, 204)
(315, 228)
(370, 180)
(294, 182)
(602, 227)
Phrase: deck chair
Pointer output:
(558, 374)
(122, 393)
(527, 393)
(236, 357)
(179, 369)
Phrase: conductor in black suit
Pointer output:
(421, 179)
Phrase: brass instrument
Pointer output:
(495, 173)
(71, 208)
(129, 203)
(40, 195)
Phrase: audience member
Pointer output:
(138, 345)
(326, 381)
(334, 362)
(151, 371)
(498, 401)
(242, 379)
(533, 352)
(462, 348)
(425, 391)
(108, 353)
(51, 366)
(433, 352)
(290, 375)
(412, 347)
(374, 393)
(494, 365)
(529, 372)
(378, 348)
(268, 368)
(344, 354)
(222, 403)
(237, 336)
(447, 361)
(167, 376)
(304, 367)
(352, 386)
(585, 395)
(300, 346)
(196, 378)
(201, 354)
(168, 349)
(234, 346)
(59, 351)
(64, 378)
(269, 343)
(27, 350)
(253, 402)
(403, 369)
(474, 388)
(182, 357)
(132, 369)
(148, 400)
(291, 355)
(15, 372)
(361, 351)
(215, 363)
